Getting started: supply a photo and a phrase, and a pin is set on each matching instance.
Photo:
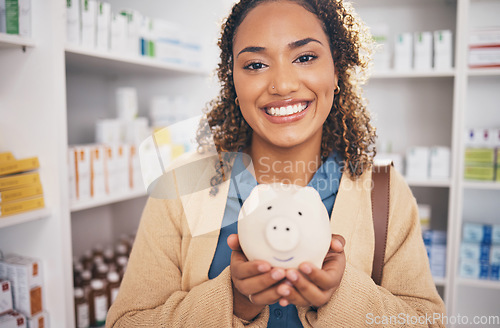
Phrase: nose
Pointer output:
(282, 234)
(285, 80)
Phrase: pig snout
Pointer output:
(282, 234)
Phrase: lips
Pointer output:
(286, 107)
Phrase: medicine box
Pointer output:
(439, 163)
(484, 57)
(3, 28)
(82, 171)
(73, 22)
(495, 254)
(24, 17)
(474, 251)
(495, 234)
(118, 36)
(40, 320)
(403, 52)
(486, 37)
(27, 281)
(422, 51)
(134, 21)
(474, 269)
(443, 50)
(103, 25)
(97, 172)
(5, 296)
(88, 9)
(495, 271)
(13, 319)
(434, 237)
(477, 233)
(417, 163)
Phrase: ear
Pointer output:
(308, 195)
(260, 194)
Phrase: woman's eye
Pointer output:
(254, 66)
(305, 58)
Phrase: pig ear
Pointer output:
(307, 194)
(260, 194)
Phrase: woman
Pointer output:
(290, 102)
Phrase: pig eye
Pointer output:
(269, 207)
(300, 213)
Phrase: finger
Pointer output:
(337, 243)
(266, 297)
(307, 290)
(233, 242)
(241, 268)
(290, 295)
(326, 278)
(259, 283)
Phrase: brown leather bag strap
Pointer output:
(380, 210)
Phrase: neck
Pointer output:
(295, 165)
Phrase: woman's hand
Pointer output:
(311, 286)
(255, 283)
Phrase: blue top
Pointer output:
(326, 181)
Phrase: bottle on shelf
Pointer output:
(121, 263)
(81, 309)
(86, 276)
(98, 303)
(113, 286)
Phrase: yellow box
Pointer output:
(18, 166)
(20, 193)
(6, 156)
(21, 206)
(19, 180)
(484, 173)
(480, 155)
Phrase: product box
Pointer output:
(424, 212)
(6, 156)
(474, 251)
(134, 21)
(168, 42)
(486, 37)
(434, 237)
(440, 158)
(495, 271)
(495, 234)
(417, 163)
(82, 171)
(474, 269)
(118, 39)
(403, 52)
(20, 165)
(382, 54)
(18, 180)
(5, 296)
(21, 206)
(88, 9)
(117, 168)
(495, 254)
(12, 319)
(477, 233)
(479, 173)
(109, 131)
(443, 50)
(482, 156)
(24, 17)
(103, 25)
(484, 57)
(40, 320)
(73, 22)
(21, 193)
(422, 51)
(97, 172)
(135, 169)
(146, 37)
(26, 276)
(3, 27)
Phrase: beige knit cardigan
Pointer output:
(166, 283)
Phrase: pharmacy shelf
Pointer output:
(15, 41)
(488, 284)
(486, 185)
(83, 205)
(79, 59)
(16, 219)
(441, 183)
(410, 74)
(484, 72)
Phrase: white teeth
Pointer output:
(288, 110)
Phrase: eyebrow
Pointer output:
(291, 45)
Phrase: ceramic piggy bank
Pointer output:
(284, 225)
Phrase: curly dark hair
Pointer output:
(347, 128)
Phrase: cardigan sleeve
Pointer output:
(407, 296)
(151, 293)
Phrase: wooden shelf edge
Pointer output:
(16, 219)
(132, 60)
(11, 40)
(88, 204)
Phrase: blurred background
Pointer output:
(83, 83)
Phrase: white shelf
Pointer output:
(486, 185)
(15, 41)
(83, 205)
(80, 59)
(439, 281)
(484, 72)
(409, 74)
(16, 219)
(442, 183)
(489, 284)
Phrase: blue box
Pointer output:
(495, 254)
(495, 233)
(477, 233)
(474, 269)
(475, 251)
(434, 237)
(495, 272)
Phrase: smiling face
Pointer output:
(284, 75)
